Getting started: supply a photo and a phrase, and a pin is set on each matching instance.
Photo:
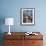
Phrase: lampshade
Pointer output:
(9, 21)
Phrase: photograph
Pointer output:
(27, 16)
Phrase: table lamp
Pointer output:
(9, 21)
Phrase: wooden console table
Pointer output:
(20, 39)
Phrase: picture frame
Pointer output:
(27, 16)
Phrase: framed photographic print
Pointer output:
(27, 16)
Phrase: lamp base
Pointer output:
(9, 33)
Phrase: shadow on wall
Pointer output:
(2, 21)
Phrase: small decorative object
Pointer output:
(30, 33)
(9, 21)
(27, 16)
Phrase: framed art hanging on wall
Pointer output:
(27, 16)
